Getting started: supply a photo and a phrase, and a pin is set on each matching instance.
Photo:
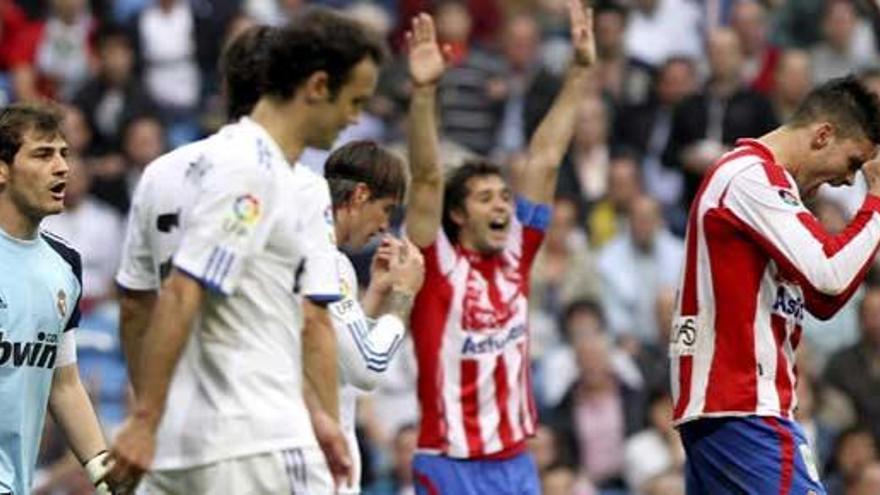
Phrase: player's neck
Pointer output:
(783, 142)
(284, 129)
(341, 225)
(15, 223)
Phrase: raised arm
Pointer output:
(537, 180)
(424, 209)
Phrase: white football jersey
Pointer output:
(365, 346)
(247, 224)
(161, 200)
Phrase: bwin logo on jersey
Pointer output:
(40, 354)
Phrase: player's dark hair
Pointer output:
(319, 40)
(242, 66)
(456, 191)
(845, 102)
(366, 162)
(17, 119)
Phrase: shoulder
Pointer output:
(65, 250)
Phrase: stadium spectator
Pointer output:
(819, 434)
(654, 451)
(792, 80)
(472, 92)
(596, 414)
(707, 124)
(659, 29)
(610, 216)
(847, 43)
(54, 56)
(634, 267)
(748, 18)
(855, 370)
(584, 173)
(564, 271)
(646, 128)
(866, 482)
(115, 95)
(622, 78)
(854, 450)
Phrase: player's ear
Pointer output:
(823, 133)
(458, 216)
(317, 87)
(5, 170)
(361, 194)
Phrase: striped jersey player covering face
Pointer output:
(756, 261)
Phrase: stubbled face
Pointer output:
(373, 217)
(330, 115)
(487, 216)
(36, 179)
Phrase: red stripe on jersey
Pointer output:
(426, 483)
(783, 382)
(786, 461)
(524, 414)
(776, 175)
(470, 405)
(685, 369)
(736, 266)
(831, 245)
(428, 325)
(502, 395)
(689, 303)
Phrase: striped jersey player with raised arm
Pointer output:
(479, 238)
(756, 260)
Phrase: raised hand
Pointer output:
(582, 40)
(427, 60)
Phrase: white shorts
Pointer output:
(300, 471)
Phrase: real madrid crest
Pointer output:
(61, 302)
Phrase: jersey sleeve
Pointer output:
(828, 267)
(366, 346)
(320, 281)
(137, 269)
(530, 228)
(230, 221)
(72, 257)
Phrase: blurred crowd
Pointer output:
(679, 81)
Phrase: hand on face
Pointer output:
(871, 171)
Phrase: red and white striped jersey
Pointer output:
(756, 260)
(469, 327)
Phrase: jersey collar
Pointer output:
(759, 148)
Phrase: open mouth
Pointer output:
(499, 225)
(58, 190)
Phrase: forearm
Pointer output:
(164, 342)
(72, 411)
(399, 303)
(424, 205)
(320, 358)
(135, 308)
(373, 301)
(550, 140)
(423, 138)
